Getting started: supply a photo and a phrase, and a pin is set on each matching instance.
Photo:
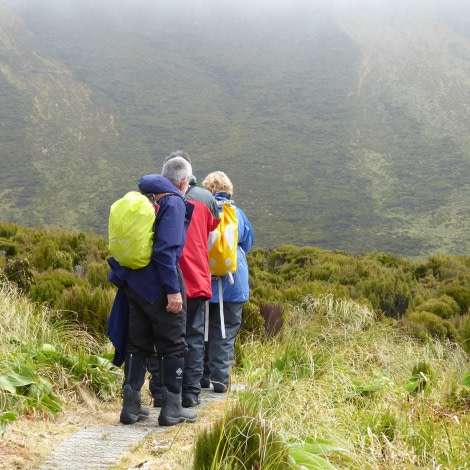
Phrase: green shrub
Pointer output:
(459, 290)
(322, 273)
(10, 248)
(90, 248)
(8, 230)
(46, 291)
(42, 254)
(292, 294)
(90, 307)
(252, 320)
(386, 259)
(50, 286)
(64, 290)
(97, 274)
(62, 260)
(66, 278)
(389, 295)
(18, 271)
(445, 267)
(462, 324)
(425, 325)
(444, 307)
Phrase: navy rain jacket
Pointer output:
(173, 218)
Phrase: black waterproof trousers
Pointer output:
(152, 327)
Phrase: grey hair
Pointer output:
(176, 170)
(178, 153)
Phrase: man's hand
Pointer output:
(175, 303)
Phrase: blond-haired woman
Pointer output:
(218, 350)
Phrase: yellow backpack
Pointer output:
(223, 242)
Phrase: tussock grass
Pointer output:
(338, 374)
(241, 439)
(45, 361)
(22, 321)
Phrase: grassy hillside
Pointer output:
(68, 272)
(355, 362)
(335, 387)
(344, 128)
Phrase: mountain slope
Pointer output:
(343, 126)
(411, 124)
(60, 144)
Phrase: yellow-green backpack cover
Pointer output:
(131, 230)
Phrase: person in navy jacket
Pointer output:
(197, 277)
(156, 300)
(218, 350)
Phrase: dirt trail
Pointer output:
(102, 447)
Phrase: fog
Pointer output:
(458, 11)
(248, 7)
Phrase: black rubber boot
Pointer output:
(172, 412)
(130, 412)
(155, 381)
(205, 381)
(144, 413)
(135, 368)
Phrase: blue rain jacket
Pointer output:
(239, 291)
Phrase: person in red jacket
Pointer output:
(195, 267)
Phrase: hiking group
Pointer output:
(178, 262)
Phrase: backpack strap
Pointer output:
(154, 198)
(221, 312)
(159, 196)
(206, 321)
(221, 307)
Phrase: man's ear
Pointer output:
(183, 183)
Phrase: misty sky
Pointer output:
(247, 6)
(458, 9)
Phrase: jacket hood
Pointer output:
(156, 184)
(222, 196)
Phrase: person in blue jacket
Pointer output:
(219, 351)
(155, 296)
